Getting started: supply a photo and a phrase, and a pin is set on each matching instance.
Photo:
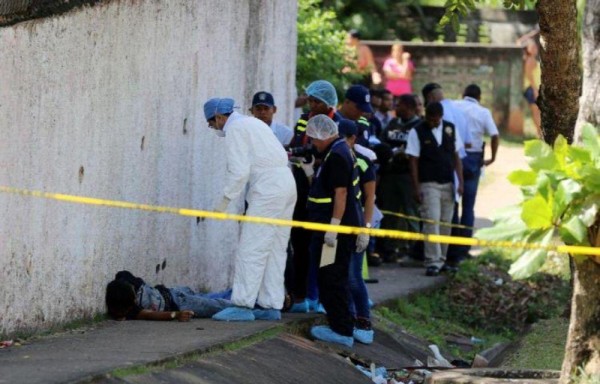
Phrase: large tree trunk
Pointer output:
(561, 69)
(583, 342)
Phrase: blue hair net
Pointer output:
(210, 108)
(216, 106)
(324, 91)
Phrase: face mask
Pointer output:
(219, 132)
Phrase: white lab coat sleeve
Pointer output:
(238, 162)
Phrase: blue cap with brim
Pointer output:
(360, 95)
(347, 128)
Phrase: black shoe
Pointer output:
(432, 271)
(448, 269)
(373, 260)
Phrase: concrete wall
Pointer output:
(106, 101)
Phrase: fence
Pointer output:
(497, 69)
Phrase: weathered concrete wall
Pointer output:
(106, 101)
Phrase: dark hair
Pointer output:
(434, 109)
(120, 298)
(354, 33)
(473, 91)
(407, 99)
(385, 92)
(428, 88)
(375, 92)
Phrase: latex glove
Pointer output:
(362, 241)
(308, 167)
(222, 207)
(330, 237)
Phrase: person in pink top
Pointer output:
(398, 70)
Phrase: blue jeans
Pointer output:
(359, 297)
(203, 305)
(471, 174)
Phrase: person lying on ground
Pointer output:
(129, 298)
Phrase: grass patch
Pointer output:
(542, 348)
(483, 302)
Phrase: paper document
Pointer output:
(328, 255)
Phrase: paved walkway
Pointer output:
(83, 354)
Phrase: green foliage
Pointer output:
(322, 51)
(460, 8)
(561, 199)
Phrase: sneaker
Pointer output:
(266, 314)
(324, 333)
(321, 309)
(363, 336)
(313, 305)
(432, 270)
(446, 268)
(301, 307)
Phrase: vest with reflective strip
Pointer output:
(320, 201)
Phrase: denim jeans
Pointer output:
(471, 174)
(203, 305)
(359, 297)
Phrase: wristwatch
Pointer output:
(173, 315)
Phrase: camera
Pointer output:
(305, 151)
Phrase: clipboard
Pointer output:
(327, 255)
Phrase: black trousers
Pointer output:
(333, 282)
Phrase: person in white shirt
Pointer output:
(433, 148)
(263, 108)
(257, 165)
(479, 123)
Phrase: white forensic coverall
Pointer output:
(256, 158)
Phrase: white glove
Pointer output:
(362, 241)
(222, 207)
(330, 237)
(308, 167)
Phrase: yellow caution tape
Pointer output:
(415, 218)
(580, 250)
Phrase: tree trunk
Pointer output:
(561, 69)
(583, 341)
(590, 100)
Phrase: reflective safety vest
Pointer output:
(320, 200)
(300, 139)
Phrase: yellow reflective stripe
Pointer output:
(359, 195)
(355, 182)
(301, 125)
(300, 129)
(302, 121)
(362, 164)
(322, 200)
(363, 121)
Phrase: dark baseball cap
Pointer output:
(347, 128)
(263, 98)
(360, 95)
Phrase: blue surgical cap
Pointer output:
(210, 108)
(324, 91)
(218, 106)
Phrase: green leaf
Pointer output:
(504, 231)
(589, 139)
(532, 259)
(565, 193)
(574, 232)
(541, 155)
(588, 210)
(561, 149)
(591, 177)
(537, 213)
(521, 177)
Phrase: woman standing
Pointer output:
(398, 70)
(531, 81)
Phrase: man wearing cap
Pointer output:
(334, 199)
(356, 103)
(433, 147)
(359, 296)
(263, 108)
(256, 161)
